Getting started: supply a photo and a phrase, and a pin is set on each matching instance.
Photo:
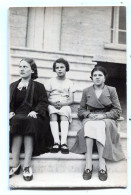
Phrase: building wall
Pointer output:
(84, 30)
(18, 18)
(48, 33)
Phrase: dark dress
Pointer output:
(22, 102)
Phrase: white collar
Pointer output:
(21, 85)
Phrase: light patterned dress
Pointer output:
(59, 90)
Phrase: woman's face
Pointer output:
(25, 70)
(98, 78)
(60, 69)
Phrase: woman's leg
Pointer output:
(54, 128)
(100, 148)
(28, 144)
(64, 129)
(16, 146)
(89, 145)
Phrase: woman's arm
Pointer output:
(82, 111)
(42, 104)
(115, 112)
(58, 104)
(50, 102)
(69, 101)
(11, 106)
(53, 103)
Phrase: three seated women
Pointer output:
(31, 127)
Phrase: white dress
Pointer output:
(95, 130)
(59, 90)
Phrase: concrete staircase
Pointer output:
(80, 65)
(59, 170)
(65, 171)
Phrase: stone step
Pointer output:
(72, 162)
(44, 72)
(80, 65)
(48, 63)
(68, 181)
(67, 163)
(34, 53)
(72, 137)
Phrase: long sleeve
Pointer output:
(11, 107)
(12, 95)
(82, 111)
(42, 102)
(115, 111)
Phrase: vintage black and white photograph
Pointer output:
(68, 92)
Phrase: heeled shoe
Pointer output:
(64, 149)
(27, 173)
(102, 174)
(87, 174)
(14, 170)
(55, 149)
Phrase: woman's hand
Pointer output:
(100, 116)
(96, 116)
(33, 114)
(11, 114)
(92, 116)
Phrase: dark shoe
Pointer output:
(102, 174)
(87, 174)
(27, 173)
(14, 171)
(55, 149)
(64, 149)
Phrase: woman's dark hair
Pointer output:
(99, 68)
(63, 61)
(33, 66)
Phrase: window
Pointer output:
(118, 25)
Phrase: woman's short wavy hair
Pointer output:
(63, 61)
(99, 68)
(33, 66)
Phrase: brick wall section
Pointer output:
(18, 26)
(86, 29)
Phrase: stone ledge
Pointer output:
(52, 59)
(68, 181)
(113, 46)
(52, 52)
(59, 155)
(47, 77)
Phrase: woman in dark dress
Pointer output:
(29, 120)
(99, 111)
